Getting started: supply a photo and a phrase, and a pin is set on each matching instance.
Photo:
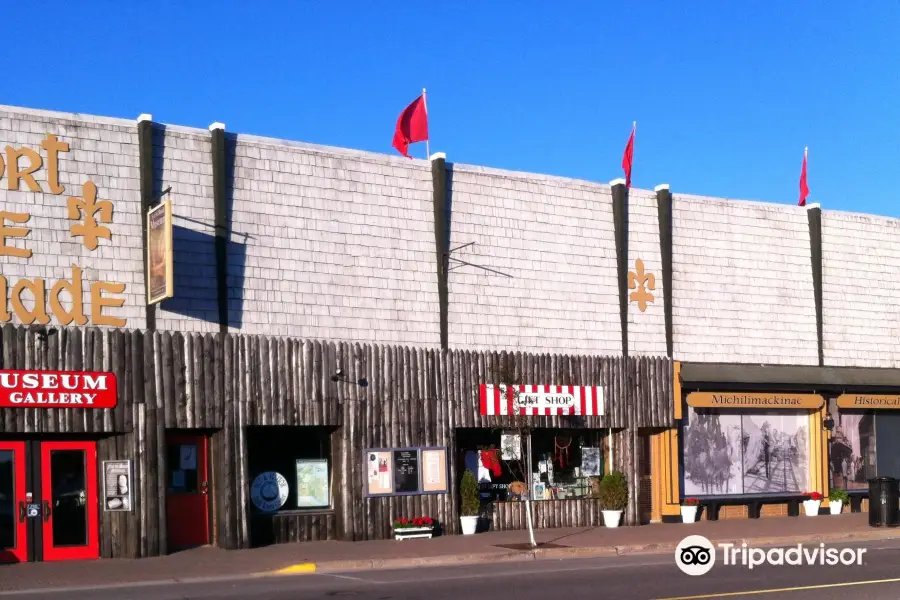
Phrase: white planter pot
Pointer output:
(812, 507)
(411, 533)
(835, 506)
(689, 514)
(612, 518)
(469, 525)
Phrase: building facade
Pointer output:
(337, 315)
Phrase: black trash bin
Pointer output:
(884, 497)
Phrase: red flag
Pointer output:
(628, 157)
(804, 189)
(412, 126)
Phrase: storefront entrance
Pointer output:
(187, 490)
(48, 501)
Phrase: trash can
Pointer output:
(884, 497)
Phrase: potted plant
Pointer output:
(470, 503)
(811, 506)
(836, 500)
(613, 493)
(689, 509)
(418, 527)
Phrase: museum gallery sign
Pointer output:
(754, 400)
(537, 400)
(57, 389)
(868, 401)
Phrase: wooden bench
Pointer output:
(754, 504)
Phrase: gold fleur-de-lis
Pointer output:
(640, 282)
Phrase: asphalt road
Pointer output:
(636, 577)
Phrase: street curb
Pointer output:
(373, 564)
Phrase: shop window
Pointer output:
(302, 455)
(500, 472)
(851, 451)
(747, 452)
(565, 463)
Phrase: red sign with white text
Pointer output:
(57, 389)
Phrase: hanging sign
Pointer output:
(269, 491)
(868, 401)
(539, 400)
(57, 389)
(160, 279)
(754, 400)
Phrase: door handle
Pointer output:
(46, 511)
(204, 488)
(21, 512)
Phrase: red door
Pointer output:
(69, 509)
(13, 524)
(187, 497)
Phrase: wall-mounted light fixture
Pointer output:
(828, 423)
(339, 375)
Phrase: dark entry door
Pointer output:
(13, 524)
(69, 509)
(187, 497)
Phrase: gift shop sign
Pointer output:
(57, 389)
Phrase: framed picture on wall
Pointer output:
(117, 492)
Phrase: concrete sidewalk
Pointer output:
(211, 563)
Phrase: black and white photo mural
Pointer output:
(745, 453)
(851, 451)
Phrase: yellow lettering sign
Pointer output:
(38, 314)
(98, 303)
(14, 174)
(90, 209)
(53, 148)
(13, 232)
(74, 289)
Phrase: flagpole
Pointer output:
(427, 146)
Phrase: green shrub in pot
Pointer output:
(469, 494)
(613, 491)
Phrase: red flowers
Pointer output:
(417, 522)
(691, 502)
(814, 495)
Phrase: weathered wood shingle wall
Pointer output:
(391, 396)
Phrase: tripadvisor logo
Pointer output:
(696, 555)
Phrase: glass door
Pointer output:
(13, 525)
(69, 509)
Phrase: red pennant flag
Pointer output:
(412, 126)
(804, 189)
(628, 157)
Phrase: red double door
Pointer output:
(48, 501)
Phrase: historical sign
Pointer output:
(379, 473)
(160, 283)
(57, 389)
(269, 491)
(406, 471)
(754, 400)
(541, 400)
(89, 220)
(434, 470)
(117, 492)
(868, 401)
(313, 489)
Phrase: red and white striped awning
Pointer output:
(538, 400)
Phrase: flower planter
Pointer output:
(812, 507)
(835, 506)
(469, 524)
(612, 518)
(411, 533)
(689, 514)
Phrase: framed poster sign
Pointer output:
(117, 493)
(313, 485)
(434, 471)
(406, 471)
(379, 472)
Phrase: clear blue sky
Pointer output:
(725, 97)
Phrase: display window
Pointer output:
(290, 468)
(851, 451)
(745, 452)
(565, 463)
